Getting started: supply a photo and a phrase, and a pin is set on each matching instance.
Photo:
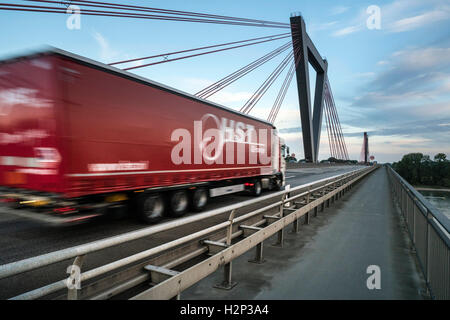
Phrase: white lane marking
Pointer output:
(290, 177)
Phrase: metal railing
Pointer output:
(429, 231)
(312, 194)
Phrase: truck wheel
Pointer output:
(257, 188)
(178, 203)
(199, 199)
(151, 207)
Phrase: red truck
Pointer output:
(79, 139)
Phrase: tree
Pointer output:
(417, 168)
(440, 157)
(426, 171)
(409, 167)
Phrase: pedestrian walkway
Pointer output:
(329, 258)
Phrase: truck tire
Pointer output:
(257, 188)
(150, 207)
(199, 199)
(178, 203)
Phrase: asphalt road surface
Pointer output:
(21, 238)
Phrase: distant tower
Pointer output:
(365, 150)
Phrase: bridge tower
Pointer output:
(305, 53)
(364, 157)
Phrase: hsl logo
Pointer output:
(213, 135)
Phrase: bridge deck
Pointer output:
(328, 258)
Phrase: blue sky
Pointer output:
(393, 82)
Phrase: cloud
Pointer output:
(106, 53)
(198, 83)
(365, 75)
(346, 31)
(225, 97)
(322, 26)
(415, 78)
(339, 10)
(423, 58)
(420, 20)
(405, 106)
(400, 16)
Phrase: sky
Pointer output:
(392, 81)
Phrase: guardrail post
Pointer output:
(288, 195)
(415, 211)
(338, 194)
(295, 226)
(413, 222)
(402, 206)
(259, 254)
(427, 249)
(280, 238)
(307, 202)
(230, 227)
(74, 280)
(322, 205)
(227, 283)
(333, 197)
(280, 234)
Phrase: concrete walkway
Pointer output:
(330, 257)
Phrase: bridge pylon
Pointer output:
(305, 53)
(364, 157)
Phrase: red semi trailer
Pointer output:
(79, 138)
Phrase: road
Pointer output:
(21, 238)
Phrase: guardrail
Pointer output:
(429, 231)
(211, 241)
